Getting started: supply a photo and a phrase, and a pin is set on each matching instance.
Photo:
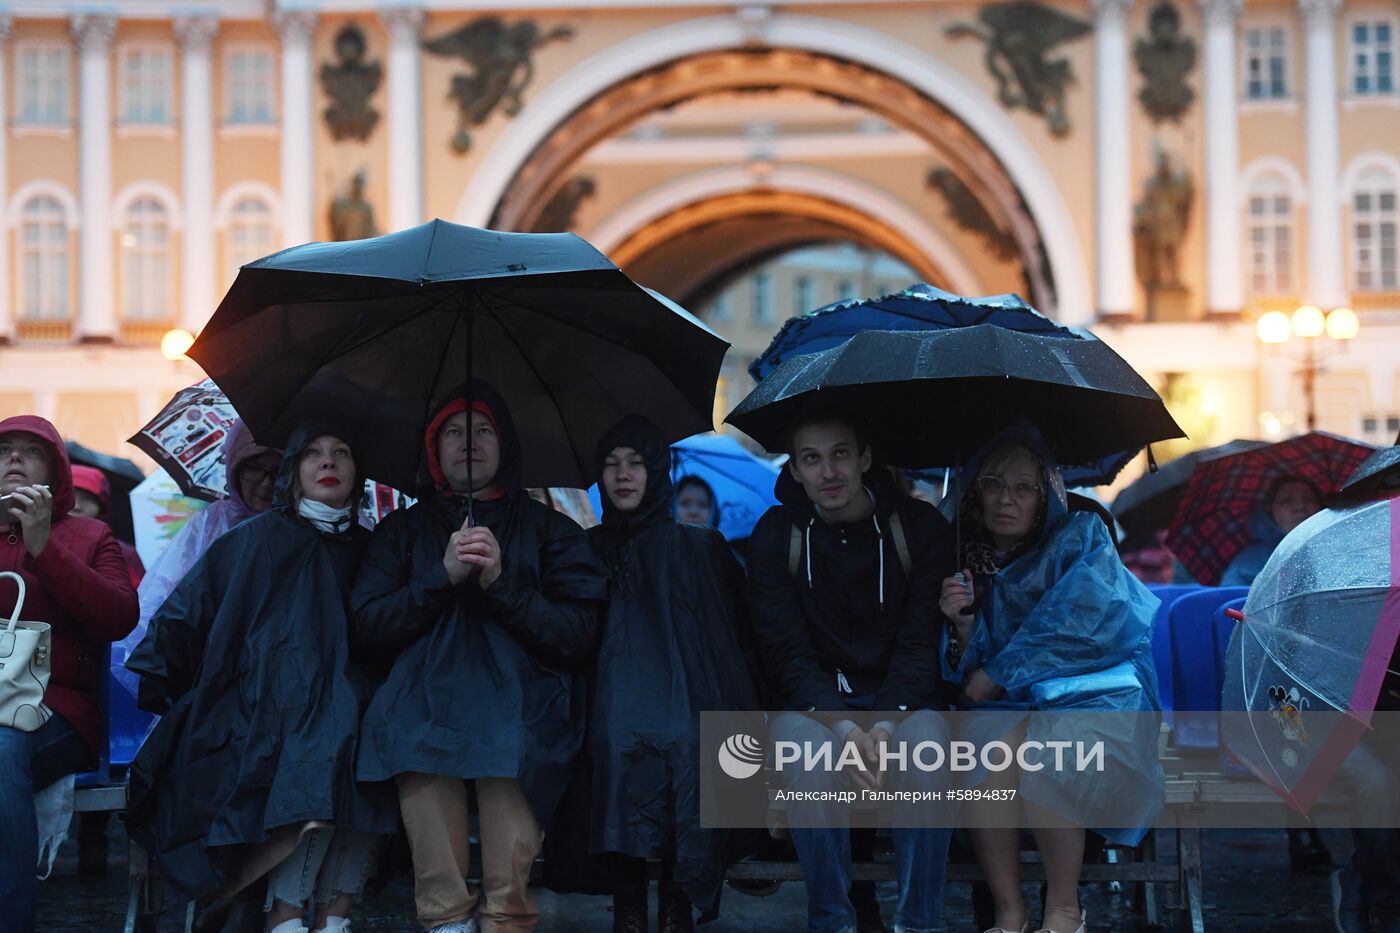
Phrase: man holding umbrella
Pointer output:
(485, 619)
(844, 593)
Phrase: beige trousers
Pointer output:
(435, 818)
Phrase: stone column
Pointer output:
(405, 117)
(296, 28)
(198, 278)
(1224, 249)
(1326, 278)
(97, 319)
(1113, 196)
(8, 311)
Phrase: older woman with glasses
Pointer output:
(1045, 620)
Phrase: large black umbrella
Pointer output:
(932, 398)
(379, 331)
(1148, 504)
(122, 477)
(1377, 477)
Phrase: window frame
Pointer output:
(235, 222)
(145, 254)
(1270, 186)
(1375, 219)
(46, 250)
(1286, 54)
(1373, 94)
(143, 120)
(228, 54)
(64, 119)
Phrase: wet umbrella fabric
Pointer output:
(385, 328)
(122, 477)
(1311, 655)
(1378, 475)
(932, 398)
(1213, 525)
(186, 438)
(924, 307)
(1148, 504)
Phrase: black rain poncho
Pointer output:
(484, 682)
(674, 643)
(248, 663)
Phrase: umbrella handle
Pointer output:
(1235, 614)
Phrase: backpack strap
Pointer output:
(901, 543)
(794, 550)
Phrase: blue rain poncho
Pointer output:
(1247, 563)
(1065, 627)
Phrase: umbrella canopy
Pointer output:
(742, 482)
(1212, 526)
(159, 511)
(1310, 657)
(932, 398)
(924, 307)
(122, 477)
(1378, 475)
(187, 439)
(1148, 504)
(380, 331)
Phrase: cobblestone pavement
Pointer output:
(1248, 887)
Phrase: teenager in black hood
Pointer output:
(673, 645)
(487, 625)
(843, 591)
(248, 663)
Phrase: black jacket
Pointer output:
(829, 626)
(484, 683)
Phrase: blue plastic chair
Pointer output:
(126, 725)
(102, 774)
(1168, 593)
(1224, 628)
(1197, 671)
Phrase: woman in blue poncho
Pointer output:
(1287, 503)
(1045, 618)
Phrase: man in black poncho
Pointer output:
(488, 623)
(843, 593)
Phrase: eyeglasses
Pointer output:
(255, 474)
(993, 486)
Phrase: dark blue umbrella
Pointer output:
(924, 307)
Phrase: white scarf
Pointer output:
(329, 520)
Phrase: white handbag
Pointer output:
(25, 657)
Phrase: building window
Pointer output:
(802, 295)
(43, 84)
(1373, 221)
(146, 266)
(722, 308)
(1373, 57)
(43, 260)
(1265, 64)
(763, 298)
(1270, 238)
(251, 233)
(146, 82)
(249, 78)
(845, 290)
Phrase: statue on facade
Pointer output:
(1164, 59)
(1019, 35)
(965, 210)
(500, 68)
(351, 216)
(559, 213)
(349, 85)
(1159, 225)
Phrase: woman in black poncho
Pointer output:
(251, 768)
(673, 644)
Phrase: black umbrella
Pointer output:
(379, 331)
(1148, 504)
(1377, 477)
(932, 398)
(122, 477)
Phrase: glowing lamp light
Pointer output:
(1308, 321)
(176, 343)
(1343, 324)
(1273, 327)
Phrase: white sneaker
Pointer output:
(335, 925)
(468, 925)
(289, 926)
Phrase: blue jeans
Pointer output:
(822, 836)
(29, 761)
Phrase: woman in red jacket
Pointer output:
(76, 580)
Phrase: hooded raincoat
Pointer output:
(78, 584)
(206, 527)
(1063, 626)
(850, 622)
(674, 643)
(484, 683)
(248, 662)
(1248, 562)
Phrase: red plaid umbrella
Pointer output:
(1212, 526)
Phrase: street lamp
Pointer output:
(174, 344)
(1309, 323)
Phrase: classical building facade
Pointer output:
(1162, 172)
